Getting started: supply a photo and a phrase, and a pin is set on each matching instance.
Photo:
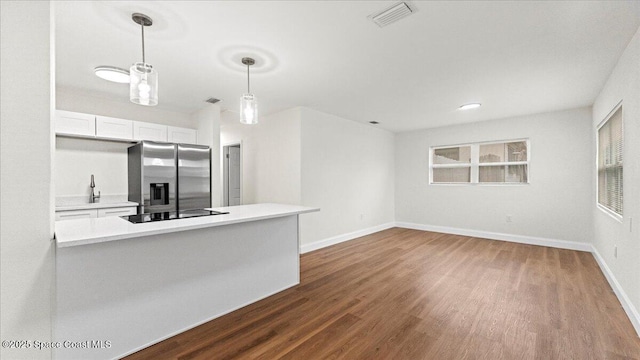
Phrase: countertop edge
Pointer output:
(151, 232)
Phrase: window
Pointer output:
(452, 165)
(503, 163)
(610, 146)
(481, 163)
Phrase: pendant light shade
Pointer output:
(248, 101)
(248, 109)
(143, 86)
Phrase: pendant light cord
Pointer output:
(248, 82)
(143, 61)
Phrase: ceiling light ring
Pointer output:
(230, 58)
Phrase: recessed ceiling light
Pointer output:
(112, 73)
(469, 106)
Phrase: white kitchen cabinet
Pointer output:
(95, 213)
(149, 131)
(114, 128)
(68, 123)
(119, 211)
(180, 135)
(76, 214)
(73, 123)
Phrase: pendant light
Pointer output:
(143, 87)
(248, 101)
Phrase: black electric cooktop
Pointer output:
(170, 215)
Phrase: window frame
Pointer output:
(450, 166)
(603, 208)
(475, 164)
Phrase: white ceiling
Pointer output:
(515, 57)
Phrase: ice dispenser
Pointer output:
(159, 194)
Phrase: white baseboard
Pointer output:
(627, 305)
(305, 248)
(531, 240)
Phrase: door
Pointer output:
(72, 123)
(159, 176)
(232, 181)
(113, 128)
(194, 177)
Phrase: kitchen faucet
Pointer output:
(93, 196)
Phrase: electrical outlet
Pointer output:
(508, 218)
(361, 217)
(615, 251)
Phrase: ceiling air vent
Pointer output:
(392, 14)
(212, 100)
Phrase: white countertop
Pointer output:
(91, 231)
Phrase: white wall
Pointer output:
(347, 171)
(77, 159)
(100, 104)
(623, 84)
(270, 157)
(555, 205)
(25, 166)
(303, 156)
(208, 125)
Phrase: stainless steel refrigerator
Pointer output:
(165, 177)
(194, 177)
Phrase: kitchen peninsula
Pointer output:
(136, 284)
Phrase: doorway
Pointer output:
(231, 173)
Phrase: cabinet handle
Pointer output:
(72, 215)
(116, 212)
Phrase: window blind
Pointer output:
(610, 163)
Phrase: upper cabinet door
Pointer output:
(180, 135)
(149, 131)
(73, 123)
(113, 128)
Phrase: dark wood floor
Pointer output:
(407, 294)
